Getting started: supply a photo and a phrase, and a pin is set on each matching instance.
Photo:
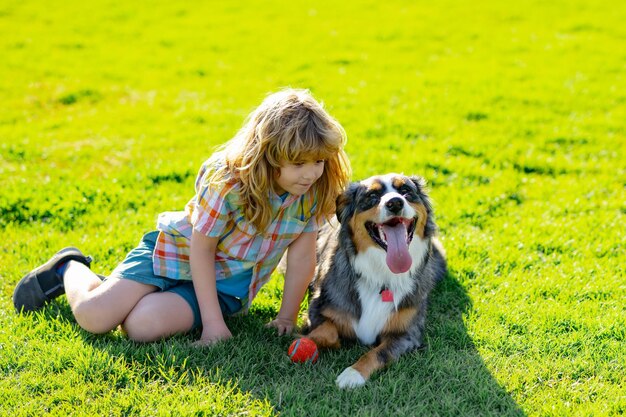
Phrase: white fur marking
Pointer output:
(375, 275)
(350, 378)
(408, 212)
(374, 314)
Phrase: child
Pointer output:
(266, 190)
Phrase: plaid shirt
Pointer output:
(216, 213)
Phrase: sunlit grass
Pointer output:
(513, 112)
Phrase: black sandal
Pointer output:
(43, 284)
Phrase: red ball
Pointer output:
(303, 350)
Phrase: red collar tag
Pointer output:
(386, 296)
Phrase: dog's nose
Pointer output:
(395, 205)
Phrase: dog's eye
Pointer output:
(407, 191)
(372, 198)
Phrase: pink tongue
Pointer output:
(398, 257)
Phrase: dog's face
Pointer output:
(386, 213)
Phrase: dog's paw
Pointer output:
(350, 378)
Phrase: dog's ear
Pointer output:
(420, 183)
(422, 191)
(346, 202)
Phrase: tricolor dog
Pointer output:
(375, 271)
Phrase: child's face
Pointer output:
(297, 177)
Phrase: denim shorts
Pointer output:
(138, 267)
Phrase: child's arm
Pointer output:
(301, 261)
(202, 262)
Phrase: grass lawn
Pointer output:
(515, 113)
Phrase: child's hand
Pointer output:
(284, 326)
(213, 333)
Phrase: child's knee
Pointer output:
(141, 325)
(135, 329)
(91, 318)
(158, 316)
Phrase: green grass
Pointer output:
(513, 112)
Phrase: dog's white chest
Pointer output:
(374, 316)
(375, 275)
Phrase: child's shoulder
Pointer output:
(208, 167)
(206, 177)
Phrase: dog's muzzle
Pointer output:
(394, 236)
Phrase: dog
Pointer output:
(376, 266)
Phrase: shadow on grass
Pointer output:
(451, 366)
(448, 378)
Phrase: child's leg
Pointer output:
(101, 306)
(157, 316)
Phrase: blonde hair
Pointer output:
(291, 126)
